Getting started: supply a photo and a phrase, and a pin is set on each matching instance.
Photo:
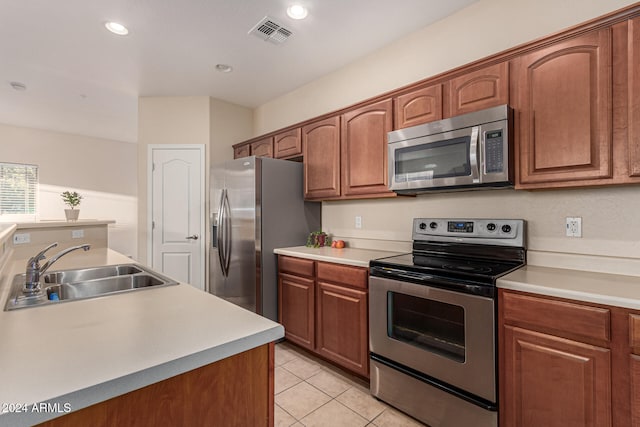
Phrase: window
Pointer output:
(18, 189)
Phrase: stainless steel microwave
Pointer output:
(469, 151)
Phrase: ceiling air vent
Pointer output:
(269, 30)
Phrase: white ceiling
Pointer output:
(82, 79)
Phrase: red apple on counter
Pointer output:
(339, 244)
(333, 244)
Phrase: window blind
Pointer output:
(18, 189)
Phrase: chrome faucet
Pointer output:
(34, 269)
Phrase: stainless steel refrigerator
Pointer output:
(256, 205)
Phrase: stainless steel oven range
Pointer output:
(432, 319)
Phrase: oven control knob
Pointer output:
(422, 226)
(433, 225)
(506, 228)
(491, 226)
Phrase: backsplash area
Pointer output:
(610, 239)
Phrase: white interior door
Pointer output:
(177, 212)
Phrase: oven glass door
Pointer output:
(446, 335)
(446, 159)
(433, 326)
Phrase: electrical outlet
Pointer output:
(77, 234)
(358, 221)
(21, 238)
(574, 226)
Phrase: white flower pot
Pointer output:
(72, 214)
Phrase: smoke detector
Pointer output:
(270, 31)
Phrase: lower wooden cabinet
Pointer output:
(342, 326)
(567, 363)
(297, 295)
(236, 391)
(552, 381)
(324, 308)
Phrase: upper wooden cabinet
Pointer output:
(419, 106)
(633, 67)
(262, 147)
(321, 148)
(242, 151)
(564, 108)
(288, 144)
(364, 149)
(480, 89)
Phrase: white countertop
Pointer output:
(349, 256)
(57, 223)
(5, 230)
(84, 352)
(601, 288)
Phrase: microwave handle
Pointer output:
(473, 154)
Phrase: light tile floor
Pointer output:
(310, 392)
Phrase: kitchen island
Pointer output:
(63, 360)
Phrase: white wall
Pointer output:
(186, 120)
(611, 225)
(102, 171)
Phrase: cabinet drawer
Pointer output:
(356, 277)
(299, 266)
(634, 331)
(560, 318)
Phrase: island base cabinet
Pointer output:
(236, 391)
(552, 381)
(342, 326)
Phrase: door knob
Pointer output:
(194, 237)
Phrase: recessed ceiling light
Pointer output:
(297, 11)
(117, 28)
(224, 68)
(18, 86)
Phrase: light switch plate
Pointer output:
(77, 234)
(358, 221)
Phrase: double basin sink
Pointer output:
(70, 285)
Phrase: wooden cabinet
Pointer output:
(633, 69)
(288, 144)
(241, 151)
(418, 106)
(296, 293)
(567, 363)
(555, 362)
(262, 147)
(321, 148)
(364, 149)
(334, 323)
(543, 374)
(236, 391)
(564, 108)
(477, 90)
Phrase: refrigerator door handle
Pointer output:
(221, 231)
(227, 233)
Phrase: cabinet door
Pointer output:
(635, 390)
(242, 151)
(262, 148)
(564, 104)
(296, 309)
(288, 144)
(551, 381)
(321, 151)
(479, 89)
(419, 106)
(364, 149)
(634, 97)
(342, 327)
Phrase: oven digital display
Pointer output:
(460, 226)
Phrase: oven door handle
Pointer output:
(429, 280)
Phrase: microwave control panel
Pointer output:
(494, 152)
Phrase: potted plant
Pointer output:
(72, 200)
